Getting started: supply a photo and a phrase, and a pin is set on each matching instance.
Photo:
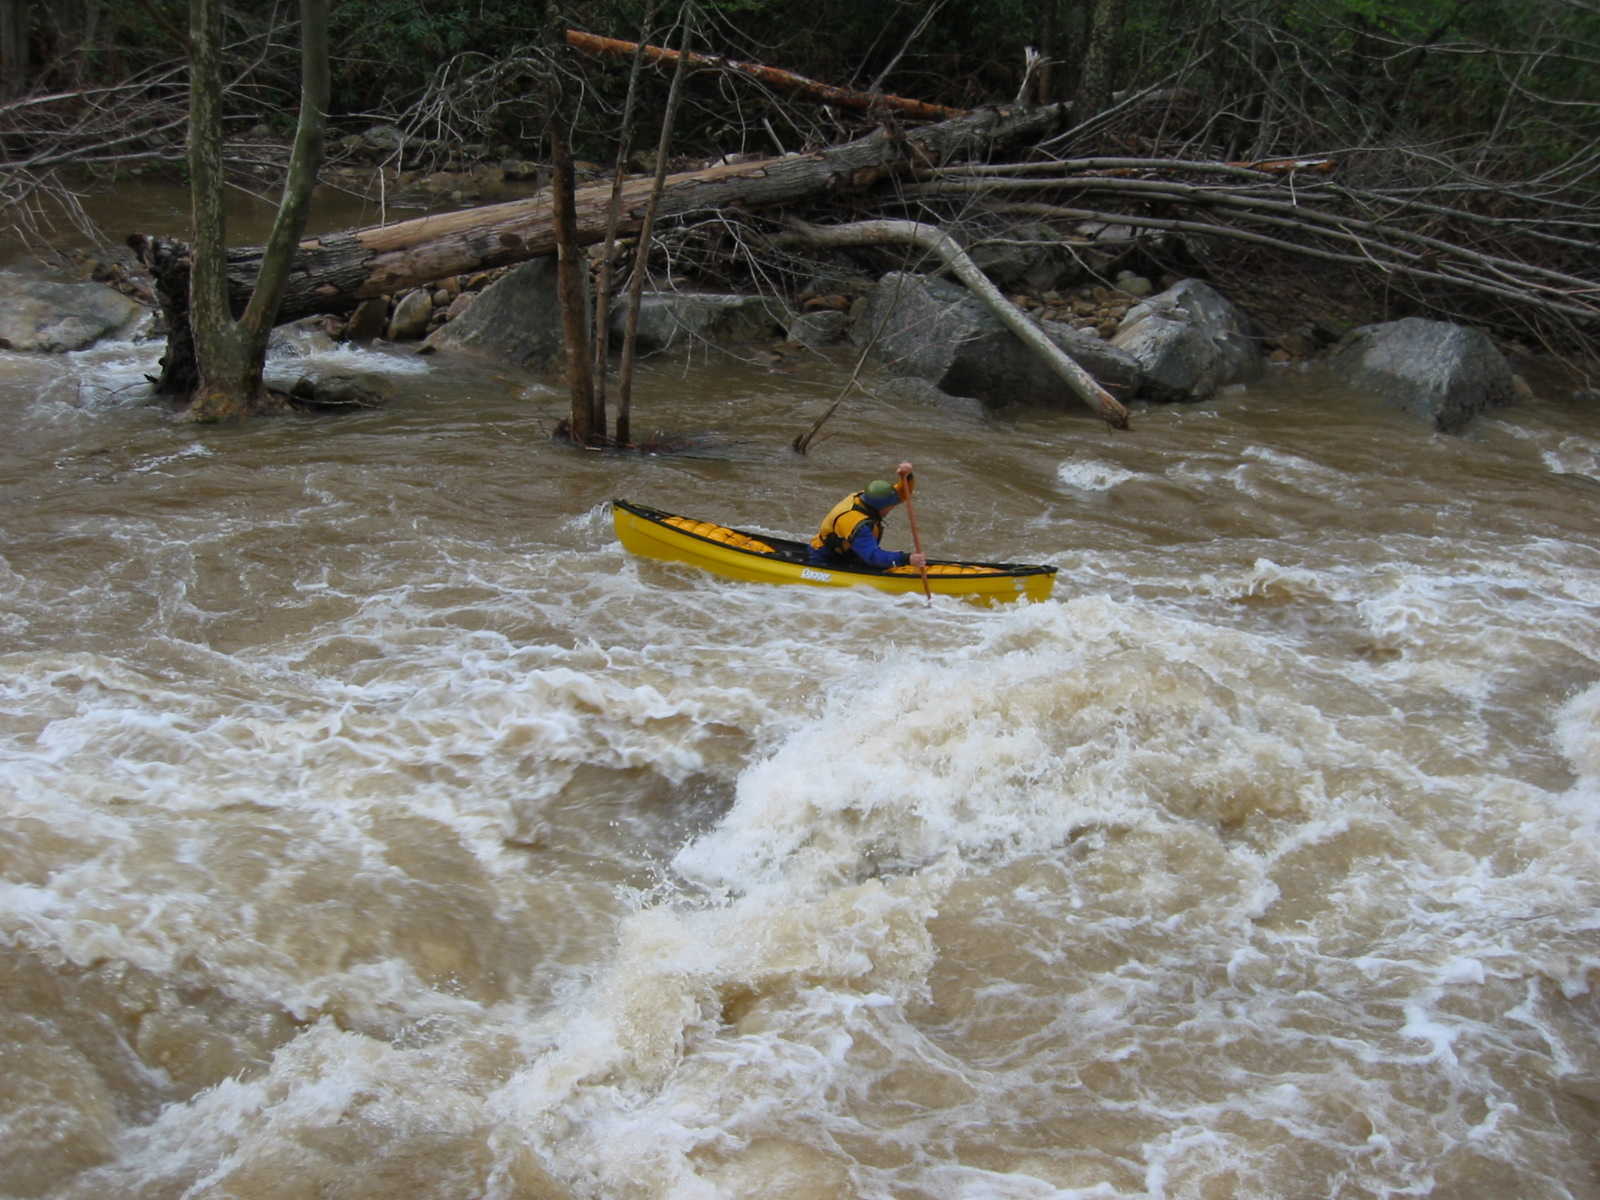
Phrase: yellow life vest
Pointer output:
(841, 523)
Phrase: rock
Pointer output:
(1031, 257)
(53, 318)
(410, 318)
(296, 339)
(1133, 285)
(1189, 341)
(1587, 395)
(834, 283)
(684, 320)
(935, 330)
(1437, 371)
(1298, 343)
(515, 320)
(908, 389)
(384, 139)
(821, 327)
(337, 391)
(369, 321)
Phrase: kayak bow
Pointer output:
(761, 558)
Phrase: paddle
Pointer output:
(916, 538)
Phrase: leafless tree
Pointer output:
(230, 351)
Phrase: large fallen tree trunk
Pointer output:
(335, 271)
(926, 237)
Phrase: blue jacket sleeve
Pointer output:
(865, 547)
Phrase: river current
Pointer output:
(374, 826)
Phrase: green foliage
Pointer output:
(386, 50)
(75, 41)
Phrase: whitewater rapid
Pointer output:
(375, 825)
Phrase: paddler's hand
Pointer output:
(918, 560)
(903, 469)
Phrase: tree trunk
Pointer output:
(14, 61)
(227, 383)
(619, 176)
(1098, 67)
(334, 272)
(570, 266)
(866, 233)
(641, 262)
(229, 354)
(773, 77)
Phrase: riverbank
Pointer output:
(1080, 277)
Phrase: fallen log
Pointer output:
(935, 241)
(335, 271)
(772, 76)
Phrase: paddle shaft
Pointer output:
(916, 541)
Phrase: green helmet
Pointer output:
(880, 492)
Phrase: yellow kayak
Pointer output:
(759, 558)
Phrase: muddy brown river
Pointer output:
(373, 825)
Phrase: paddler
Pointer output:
(852, 532)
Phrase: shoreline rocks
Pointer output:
(1189, 342)
(934, 330)
(1182, 344)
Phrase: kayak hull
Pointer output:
(760, 558)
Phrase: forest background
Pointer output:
(1474, 123)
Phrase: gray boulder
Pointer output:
(515, 320)
(908, 389)
(820, 328)
(296, 339)
(53, 318)
(684, 321)
(1439, 372)
(1189, 341)
(935, 330)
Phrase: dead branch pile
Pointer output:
(1529, 271)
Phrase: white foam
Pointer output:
(1574, 455)
(1090, 475)
(1241, 866)
(1578, 736)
